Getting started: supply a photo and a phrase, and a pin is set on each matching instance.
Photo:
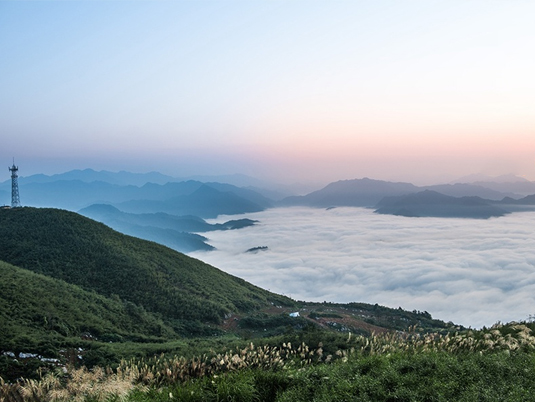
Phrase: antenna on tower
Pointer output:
(15, 198)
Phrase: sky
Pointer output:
(288, 91)
(469, 271)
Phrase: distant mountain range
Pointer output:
(433, 204)
(169, 230)
(470, 190)
(78, 189)
(127, 194)
(133, 199)
(353, 193)
(124, 178)
(446, 200)
(206, 200)
(478, 177)
(121, 178)
(514, 190)
(368, 192)
(514, 185)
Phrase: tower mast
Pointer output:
(15, 198)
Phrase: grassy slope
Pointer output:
(67, 246)
(36, 311)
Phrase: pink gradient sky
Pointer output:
(286, 90)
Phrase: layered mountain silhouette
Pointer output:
(368, 192)
(481, 177)
(522, 188)
(132, 193)
(354, 193)
(124, 178)
(182, 204)
(433, 204)
(527, 200)
(505, 184)
(447, 200)
(121, 178)
(206, 200)
(169, 230)
(470, 190)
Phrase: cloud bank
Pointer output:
(471, 272)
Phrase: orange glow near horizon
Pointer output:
(318, 89)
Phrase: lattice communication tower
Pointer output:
(15, 198)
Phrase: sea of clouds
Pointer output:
(472, 272)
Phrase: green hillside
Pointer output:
(37, 312)
(76, 290)
(77, 250)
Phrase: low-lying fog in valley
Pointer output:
(471, 272)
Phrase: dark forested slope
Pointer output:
(70, 247)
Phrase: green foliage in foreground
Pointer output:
(488, 365)
(430, 376)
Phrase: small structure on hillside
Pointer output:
(15, 198)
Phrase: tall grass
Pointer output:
(74, 384)
(379, 367)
